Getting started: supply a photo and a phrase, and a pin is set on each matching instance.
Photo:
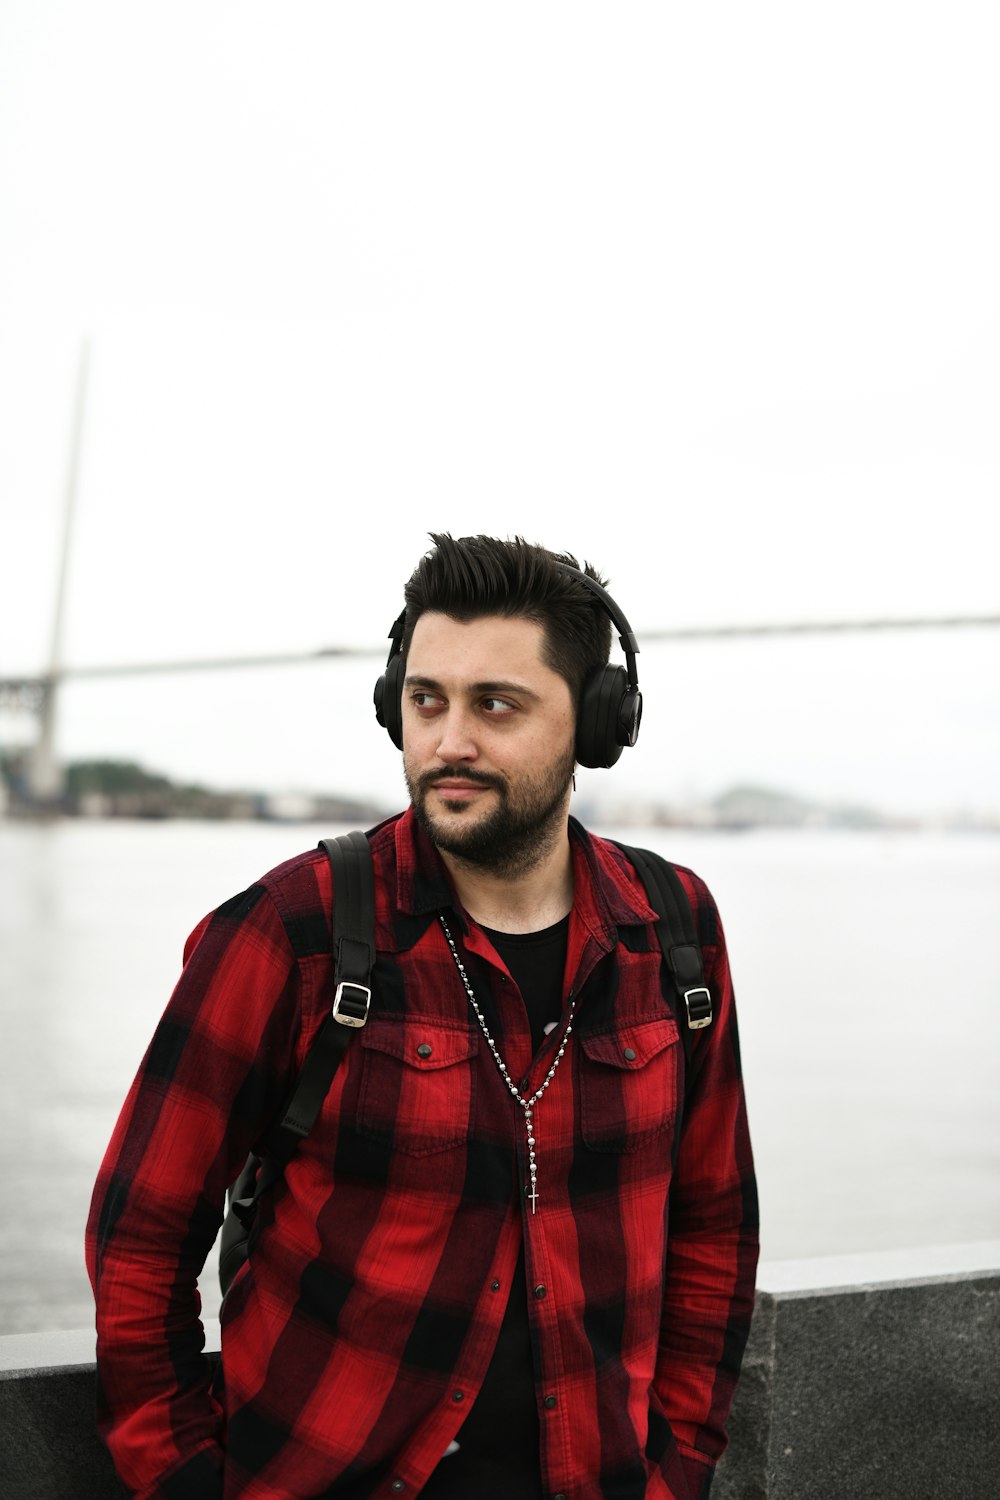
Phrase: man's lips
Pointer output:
(456, 786)
(455, 791)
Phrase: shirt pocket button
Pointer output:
(629, 1084)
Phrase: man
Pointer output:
(515, 1255)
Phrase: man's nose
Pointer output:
(457, 740)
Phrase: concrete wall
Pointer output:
(873, 1376)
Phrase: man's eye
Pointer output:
(426, 700)
(497, 706)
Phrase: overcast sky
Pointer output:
(706, 294)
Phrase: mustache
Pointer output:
(460, 773)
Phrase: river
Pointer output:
(867, 969)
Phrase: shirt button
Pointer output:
(398, 1486)
(458, 1396)
(494, 1286)
(629, 1054)
(539, 1292)
(550, 1402)
(560, 1496)
(425, 1050)
(525, 1085)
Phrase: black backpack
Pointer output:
(353, 960)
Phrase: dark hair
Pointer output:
(482, 575)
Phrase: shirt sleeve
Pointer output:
(208, 1085)
(713, 1233)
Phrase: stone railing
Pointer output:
(866, 1376)
(871, 1377)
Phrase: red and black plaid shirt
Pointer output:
(358, 1334)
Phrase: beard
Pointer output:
(529, 815)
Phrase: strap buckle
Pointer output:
(352, 1009)
(699, 1008)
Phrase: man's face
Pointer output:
(488, 731)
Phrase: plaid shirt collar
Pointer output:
(604, 896)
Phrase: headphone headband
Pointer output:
(626, 635)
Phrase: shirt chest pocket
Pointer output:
(417, 1092)
(629, 1081)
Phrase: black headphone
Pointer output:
(610, 702)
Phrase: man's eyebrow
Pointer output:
(521, 689)
(431, 685)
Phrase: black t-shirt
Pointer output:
(498, 1446)
(536, 961)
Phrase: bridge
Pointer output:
(37, 695)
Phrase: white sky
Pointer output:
(707, 294)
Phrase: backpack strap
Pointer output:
(353, 960)
(678, 939)
(353, 938)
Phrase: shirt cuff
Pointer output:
(699, 1476)
(196, 1478)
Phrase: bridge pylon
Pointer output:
(44, 779)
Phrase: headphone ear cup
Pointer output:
(377, 698)
(629, 717)
(597, 726)
(389, 700)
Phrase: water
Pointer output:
(867, 970)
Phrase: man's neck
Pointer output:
(527, 902)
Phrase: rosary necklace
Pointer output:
(528, 1105)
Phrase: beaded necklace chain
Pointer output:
(526, 1104)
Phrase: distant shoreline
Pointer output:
(109, 790)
